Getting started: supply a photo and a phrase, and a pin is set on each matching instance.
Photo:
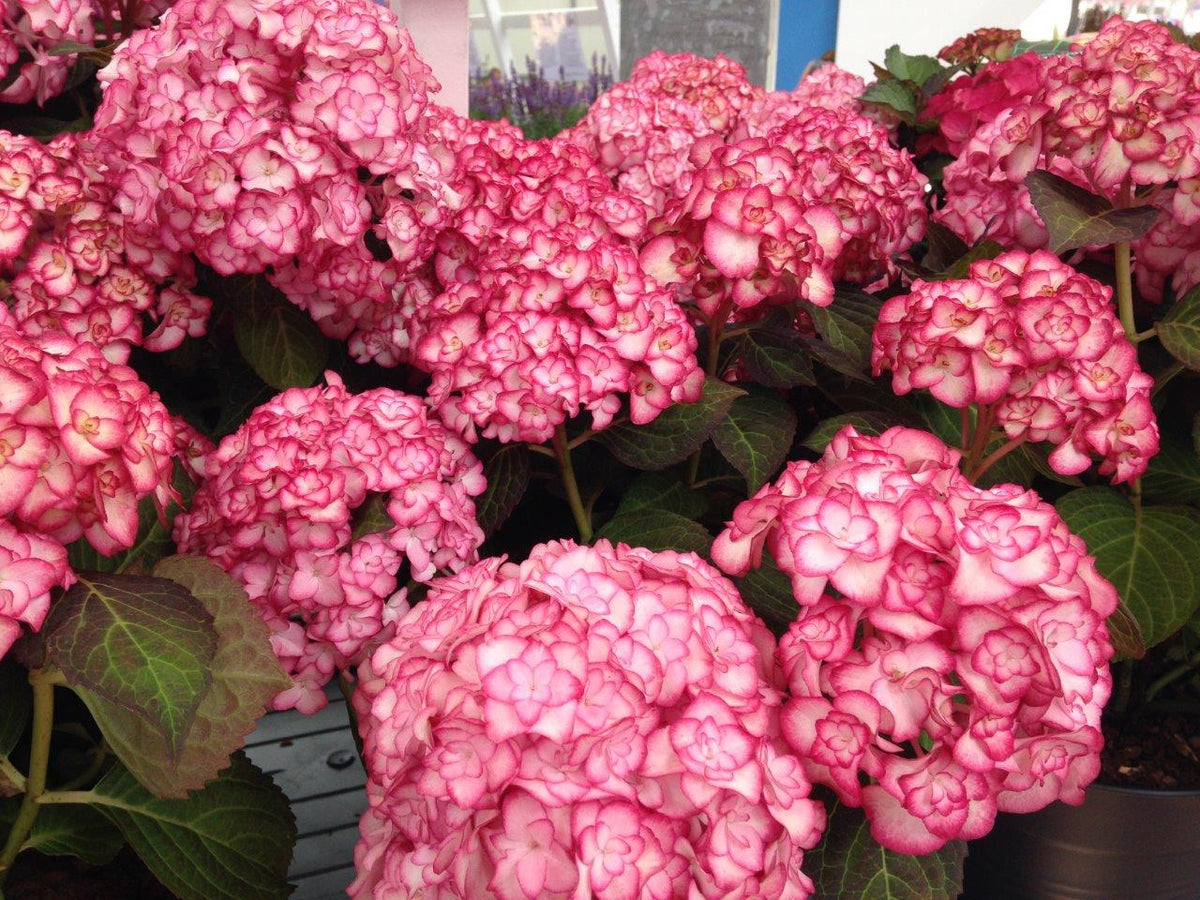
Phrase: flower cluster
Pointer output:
(29, 32)
(642, 129)
(993, 44)
(30, 565)
(82, 440)
(545, 311)
(826, 87)
(1037, 346)
(950, 658)
(73, 265)
(746, 234)
(596, 721)
(968, 103)
(1169, 253)
(278, 135)
(316, 502)
(846, 161)
(1126, 110)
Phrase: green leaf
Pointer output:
(507, 475)
(16, 701)
(657, 529)
(66, 48)
(658, 490)
(153, 540)
(1179, 329)
(867, 422)
(944, 247)
(141, 642)
(755, 436)
(831, 357)
(849, 865)
(370, 517)
(246, 676)
(282, 344)
(894, 95)
(961, 266)
(1125, 634)
(1038, 458)
(70, 830)
(917, 69)
(1075, 217)
(848, 323)
(1151, 555)
(1042, 48)
(231, 841)
(768, 591)
(676, 434)
(1174, 474)
(776, 357)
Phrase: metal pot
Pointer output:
(1121, 844)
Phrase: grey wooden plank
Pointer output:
(326, 812)
(310, 766)
(323, 851)
(330, 885)
(276, 726)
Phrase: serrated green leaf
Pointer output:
(282, 344)
(141, 642)
(755, 436)
(944, 247)
(867, 422)
(153, 540)
(776, 357)
(894, 95)
(768, 591)
(657, 529)
(1075, 217)
(676, 434)
(1151, 555)
(231, 841)
(848, 323)
(15, 702)
(849, 865)
(507, 475)
(1173, 474)
(659, 490)
(917, 69)
(70, 830)
(1042, 48)
(1179, 329)
(246, 676)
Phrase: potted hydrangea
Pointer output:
(738, 494)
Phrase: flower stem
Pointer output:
(715, 328)
(994, 457)
(39, 760)
(1125, 290)
(562, 452)
(1172, 676)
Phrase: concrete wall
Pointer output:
(741, 29)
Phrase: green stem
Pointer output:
(12, 774)
(562, 453)
(67, 797)
(994, 457)
(1172, 676)
(347, 690)
(39, 760)
(1145, 335)
(1125, 290)
(716, 326)
(99, 756)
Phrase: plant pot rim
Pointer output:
(1143, 792)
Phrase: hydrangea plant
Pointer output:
(740, 493)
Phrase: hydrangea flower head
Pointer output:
(316, 502)
(950, 658)
(1040, 346)
(593, 721)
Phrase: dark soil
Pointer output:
(1160, 752)
(38, 877)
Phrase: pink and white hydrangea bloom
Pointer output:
(82, 440)
(30, 566)
(1036, 346)
(72, 263)
(950, 658)
(316, 503)
(595, 721)
(280, 137)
